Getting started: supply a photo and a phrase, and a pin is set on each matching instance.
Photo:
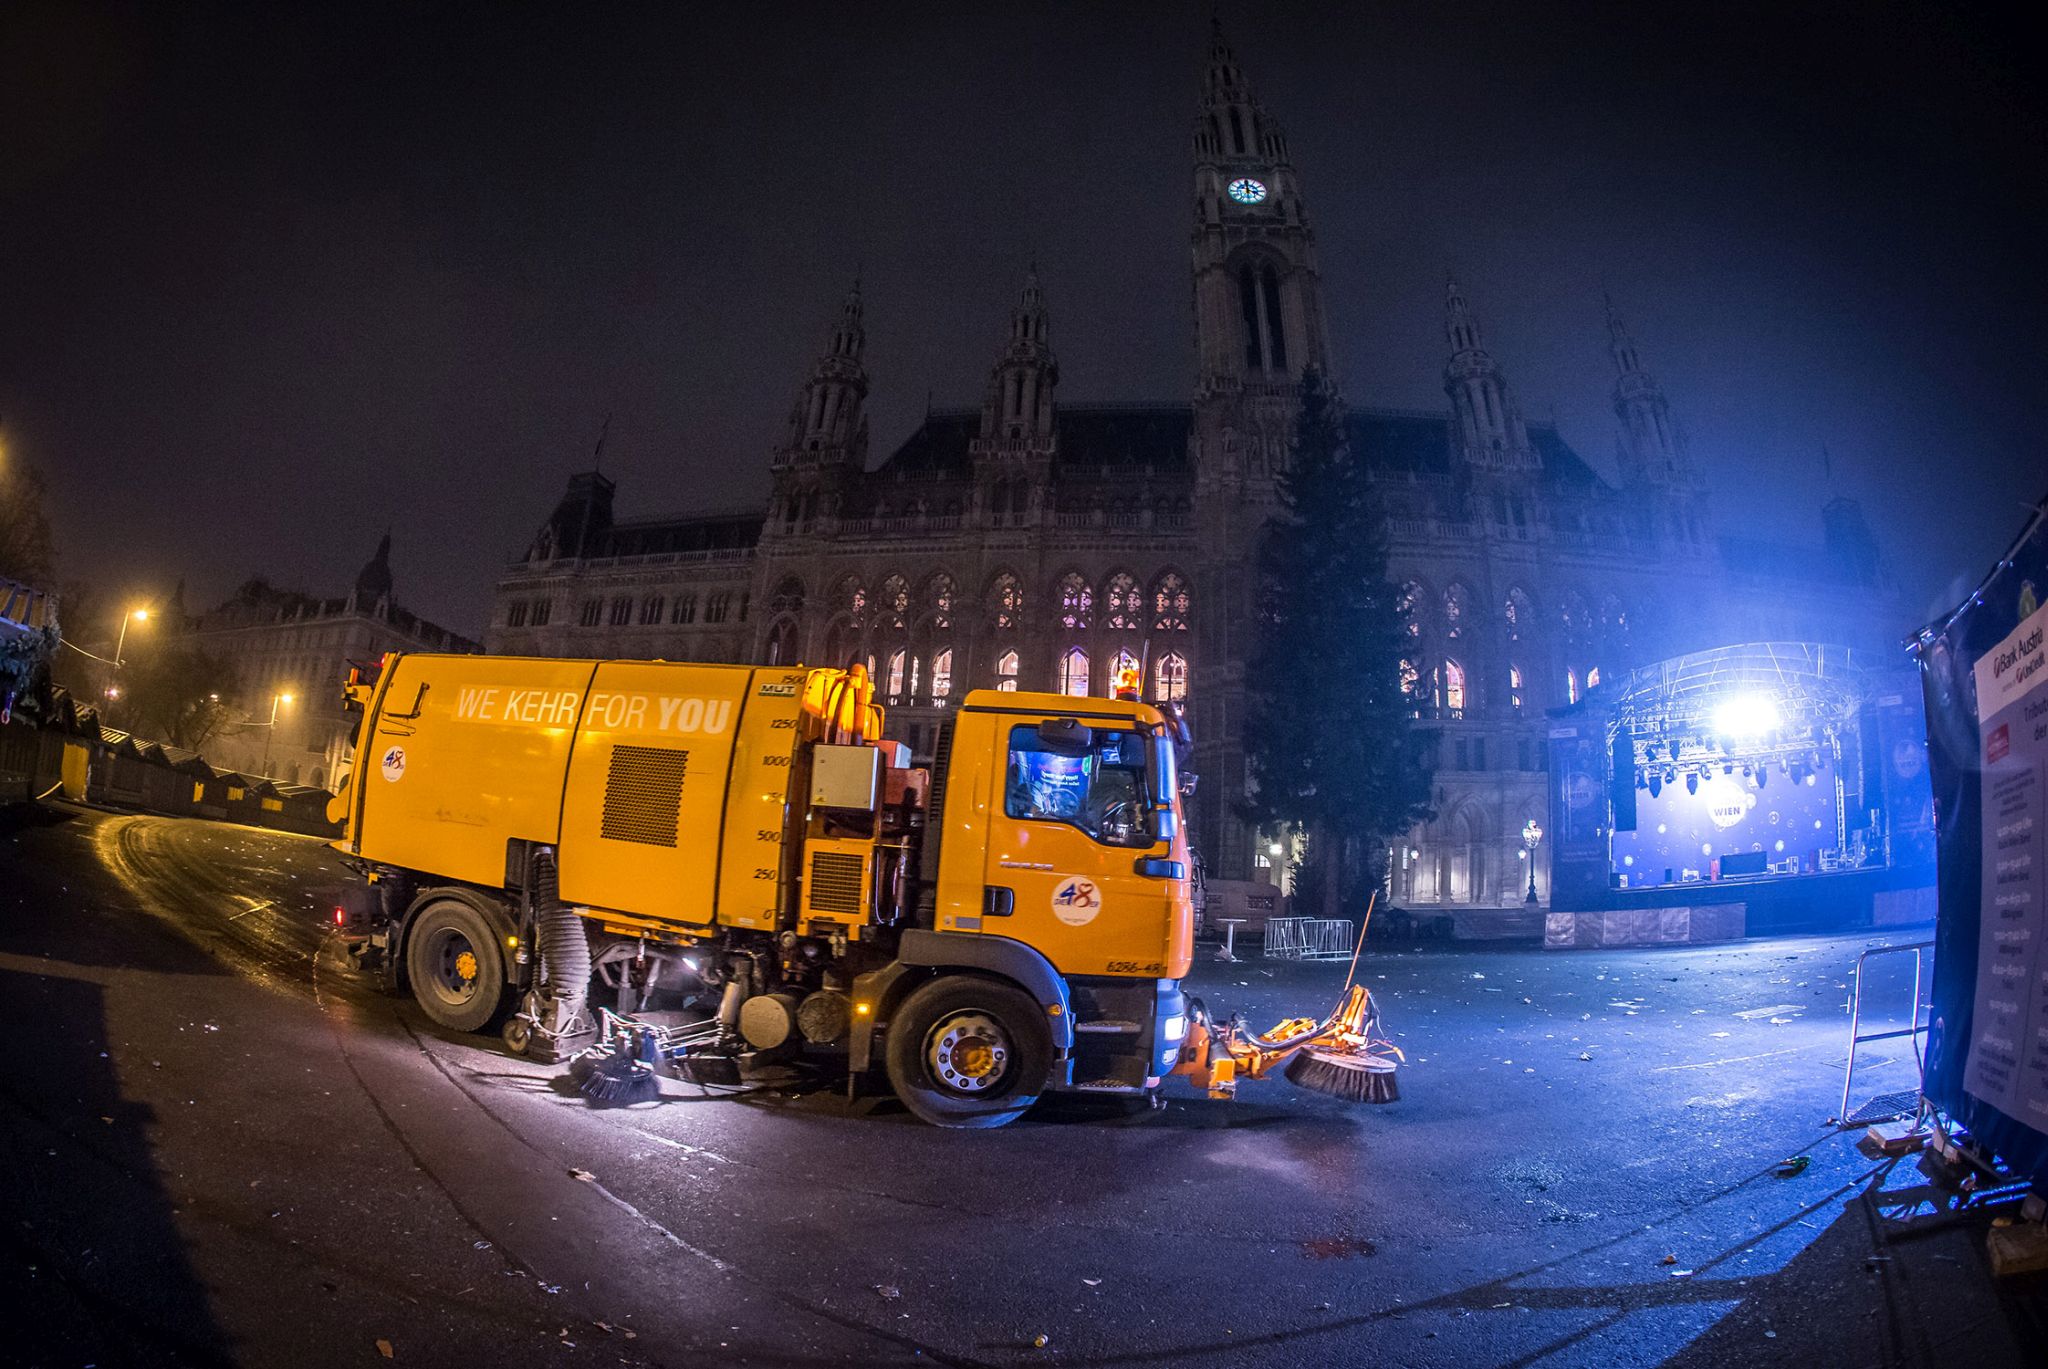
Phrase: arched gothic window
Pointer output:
(1576, 617)
(898, 665)
(850, 597)
(1454, 610)
(1006, 601)
(938, 597)
(788, 596)
(1593, 677)
(842, 642)
(1170, 677)
(893, 604)
(1515, 688)
(942, 675)
(1077, 602)
(1411, 685)
(1074, 671)
(1519, 614)
(1170, 603)
(1276, 334)
(1409, 604)
(1453, 699)
(1123, 604)
(1006, 670)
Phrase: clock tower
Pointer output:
(1258, 325)
(1258, 298)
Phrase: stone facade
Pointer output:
(1031, 544)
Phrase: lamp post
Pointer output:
(139, 615)
(1531, 835)
(275, 700)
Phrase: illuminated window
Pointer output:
(1077, 603)
(1125, 607)
(1454, 689)
(1515, 688)
(1170, 604)
(1409, 605)
(1170, 677)
(1571, 685)
(1073, 671)
(1593, 678)
(1006, 670)
(916, 673)
(897, 664)
(1411, 678)
(942, 675)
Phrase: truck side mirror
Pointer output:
(1065, 736)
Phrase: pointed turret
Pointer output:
(1019, 406)
(373, 581)
(1652, 449)
(1490, 430)
(828, 423)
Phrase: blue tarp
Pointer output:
(1987, 733)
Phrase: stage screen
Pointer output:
(1680, 835)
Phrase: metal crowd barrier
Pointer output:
(1309, 938)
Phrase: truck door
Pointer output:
(1079, 865)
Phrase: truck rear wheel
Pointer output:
(968, 1052)
(452, 959)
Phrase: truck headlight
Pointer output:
(1175, 1027)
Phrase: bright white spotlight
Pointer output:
(1746, 715)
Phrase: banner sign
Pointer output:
(1984, 671)
(2008, 1064)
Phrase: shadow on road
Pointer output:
(88, 1239)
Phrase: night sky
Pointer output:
(269, 283)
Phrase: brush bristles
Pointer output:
(620, 1081)
(1355, 1078)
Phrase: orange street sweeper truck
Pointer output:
(1014, 919)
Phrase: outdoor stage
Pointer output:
(1763, 788)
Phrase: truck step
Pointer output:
(1107, 1086)
(1109, 1024)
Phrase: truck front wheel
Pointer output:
(452, 959)
(968, 1052)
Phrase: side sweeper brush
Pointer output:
(1346, 1060)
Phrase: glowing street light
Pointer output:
(276, 700)
(1531, 835)
(138, 615)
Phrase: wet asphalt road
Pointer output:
(223, 1147)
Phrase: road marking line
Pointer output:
(1731, 1060)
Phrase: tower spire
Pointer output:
(1652, 449)
(1490, 430)
(1019, 406)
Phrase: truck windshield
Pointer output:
(1105, 791)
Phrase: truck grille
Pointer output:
(835, 882)
(643, 794)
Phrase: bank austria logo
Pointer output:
(393, 764)
(1076, 901)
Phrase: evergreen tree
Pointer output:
(1328, 736)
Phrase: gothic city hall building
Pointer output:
(1024, 543)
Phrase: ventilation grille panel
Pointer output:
(643, 794)
(835, 882)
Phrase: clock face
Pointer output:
(1245, 190)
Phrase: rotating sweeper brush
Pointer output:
(1343, 1055)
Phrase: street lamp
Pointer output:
(140, 615)
(1531, 834)
(275, 700)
